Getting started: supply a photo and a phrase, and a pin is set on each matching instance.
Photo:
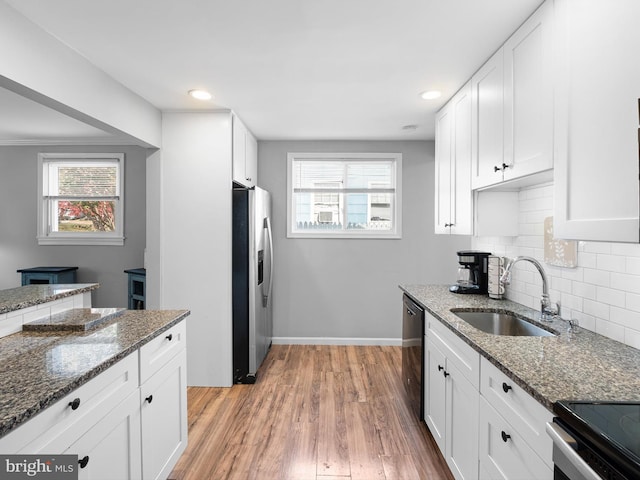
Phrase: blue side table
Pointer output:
(137, 288)
(44, 275)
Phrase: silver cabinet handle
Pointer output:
(564, 442)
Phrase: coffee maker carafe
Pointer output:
(472, 273)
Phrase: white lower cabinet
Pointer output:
(504, 454)
(120, 426)
(164, 419)
(513, 443)
(451, 398)
(484, 424)
(111, 448)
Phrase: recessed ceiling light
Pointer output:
(410, 127)
(431, 94)
(200, 94)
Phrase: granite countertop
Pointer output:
(38, 368)
(576, 365)
(29, 295)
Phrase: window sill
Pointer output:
(355, 236)
(54, 240)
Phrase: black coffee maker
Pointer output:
(472, 273)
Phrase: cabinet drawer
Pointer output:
(504, 454)
(161, 349)
(465, 358)
(521, 410)
(92, 400)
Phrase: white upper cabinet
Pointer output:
(245, 155)
(453, 202)
(528, 96)
(444, 119)
(512, 104)
(597, 71)
(487, 125)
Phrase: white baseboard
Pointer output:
(336, 341)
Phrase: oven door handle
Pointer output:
(567, 444)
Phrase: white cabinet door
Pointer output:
(245, 150)
(504, 455)
(239, 151)
(462, 425)
(528, 96)
(461, 195)
(453, 202)
(596, 187)
(251, 159)
(443, 186)
(435, 395)
(164, 418)
(111, 448)
(451, 400)
(487, 125)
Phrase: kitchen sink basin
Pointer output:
(501, 323)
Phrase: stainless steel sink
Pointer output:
(500, 323)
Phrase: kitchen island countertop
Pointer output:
(27, 296)
(578, 364)
(38, 368)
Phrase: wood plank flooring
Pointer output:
(315, 413)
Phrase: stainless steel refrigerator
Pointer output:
(252, 281)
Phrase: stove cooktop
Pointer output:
(613, 428)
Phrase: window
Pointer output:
(80, 199)
(344, 195)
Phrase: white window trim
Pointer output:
(370, 234)
(90, 238)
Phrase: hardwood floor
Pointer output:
(315, 413)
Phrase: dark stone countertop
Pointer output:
(38, 368)
(577, 365)
(27, 296)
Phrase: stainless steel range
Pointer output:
(596, 440)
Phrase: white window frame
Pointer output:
(48, 237)
(394, 233)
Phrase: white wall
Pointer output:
(602, 292)
(195, 238)
(97, 263)
(346, 290)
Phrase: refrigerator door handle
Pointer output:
(265, 298)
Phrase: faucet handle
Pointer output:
(548, 309)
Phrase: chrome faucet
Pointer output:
(547, 309)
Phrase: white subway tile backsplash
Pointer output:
(632, 337)
(597, 277)
(572, 302)
(633, 265)
(574, 274)
(632, 302)
(36, 314)
(625, 282)
(565, 285)
(625, 317)
(584, 320)
(609, 329)
(9, 325)
(580, 289)
(587, 260)
(597, 247)
(602, 292)
(610, 296)
(611, 263)
(626, 249)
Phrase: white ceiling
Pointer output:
(291, 69)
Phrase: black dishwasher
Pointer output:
(413, 353)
